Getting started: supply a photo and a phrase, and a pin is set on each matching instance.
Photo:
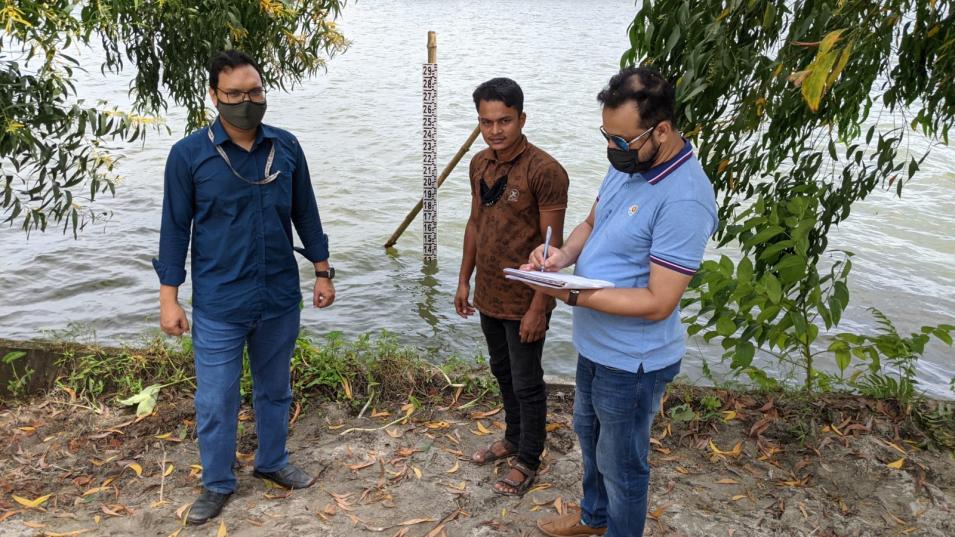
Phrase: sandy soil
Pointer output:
(834, 467)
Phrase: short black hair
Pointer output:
(653, 94)
(228, 59)
(500, 89)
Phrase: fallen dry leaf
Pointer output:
(727, 482)
(414, 521)
(437, 425)
(454, 468)
(169, 469)
(31, 504)
(488, 414)
(897, 465)
(136, 468)
(10, 513)
(222, 531)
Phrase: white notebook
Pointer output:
(555, 280)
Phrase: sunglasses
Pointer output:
(622, 142)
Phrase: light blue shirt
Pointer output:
(664, 216)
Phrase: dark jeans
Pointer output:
(517, 367)
(218, 349)
(613, 411)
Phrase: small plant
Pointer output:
(17, 385)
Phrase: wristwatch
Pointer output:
(330, 273)
(572, 297)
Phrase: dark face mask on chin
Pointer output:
(246, 115)
(629, 161)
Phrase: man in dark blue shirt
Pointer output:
(234, 189)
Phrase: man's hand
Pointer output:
(324, 293)
(172, 319)
(461, 303)
(533, 326)
(556, 259)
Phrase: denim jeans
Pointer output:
(517, 368)
(613, 411)
(218, 354)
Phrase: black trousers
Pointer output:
(517, 368)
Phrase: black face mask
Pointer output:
(629, 161)
(246, 115)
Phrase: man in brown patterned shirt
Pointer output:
(517, 192)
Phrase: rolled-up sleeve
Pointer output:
(178, 207)
(305, 215)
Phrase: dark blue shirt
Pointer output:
(243, 265)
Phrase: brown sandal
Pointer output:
(520, 488)
(488, 455)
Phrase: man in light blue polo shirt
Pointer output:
(646, 233)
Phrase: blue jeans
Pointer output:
(613, 411)
(218, 353)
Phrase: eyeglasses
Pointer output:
(622, 142)
(256, 95)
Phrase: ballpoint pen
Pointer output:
(546, 246)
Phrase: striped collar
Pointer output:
(659, 172)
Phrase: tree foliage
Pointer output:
(54, 142)
(779, 97)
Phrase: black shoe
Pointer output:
(289, 477)
(207, 506)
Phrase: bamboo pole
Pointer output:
(432, 47)
(444, 175)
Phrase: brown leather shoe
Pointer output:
(567, 525)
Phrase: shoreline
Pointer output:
(395, 462)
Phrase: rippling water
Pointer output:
(360, 127)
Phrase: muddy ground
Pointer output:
(754, 467)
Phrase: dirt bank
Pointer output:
(752, 466)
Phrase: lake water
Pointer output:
(360, 125)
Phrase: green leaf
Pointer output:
(773, 289)
(725, 326)
(943, 335)
(146, 400)
(13, 356)
(744, 355)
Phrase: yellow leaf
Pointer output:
(347, 387)
(136, 468)
(454, 468)
(168, 470)
(482, 429)
(727, 482)
(222, 531)
(817, 81)
(417, 472)
(551, 427)
(394, 432)
(897, 465)
(31, 504)
(34, 524)
(176, 533)
(728, 415)
(738, 497)
(682, 470)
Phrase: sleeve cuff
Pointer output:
(315, 252)
(673, 266)
(169, 275)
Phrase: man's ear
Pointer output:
(664, 130)
(523, 119)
